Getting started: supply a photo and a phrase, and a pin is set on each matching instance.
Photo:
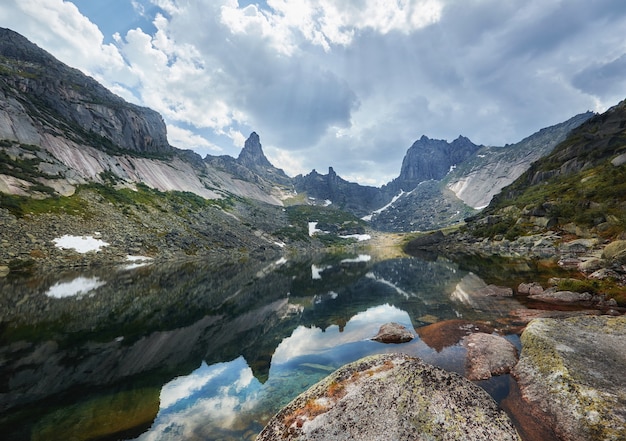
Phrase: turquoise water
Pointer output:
(206, 351)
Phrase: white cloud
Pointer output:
(55, 25)
(381, 73)
(178, 136)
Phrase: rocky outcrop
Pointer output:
(350, 196)
(572, 369)
(39, 91)
(430, 159)
(391, 396)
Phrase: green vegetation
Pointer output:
(592, 198)
(19, 206)
(607, 287)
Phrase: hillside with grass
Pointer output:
(580, 188)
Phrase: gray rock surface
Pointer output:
(573, 370)
(488, 355)
(391, 397)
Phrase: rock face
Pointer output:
(490, 169)
(430, 159)
(44, 90)
(573, 370)
(393, 333)
(391, 397)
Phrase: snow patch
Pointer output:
(137, 262)
(316, 271)
(313, 228)
(380, 210)
(81, 244)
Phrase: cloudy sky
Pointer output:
(343, 83)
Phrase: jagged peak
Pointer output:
(252, 153)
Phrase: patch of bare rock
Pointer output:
(387, 397)
(571, 373)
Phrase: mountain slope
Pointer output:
(490, 169)
(579, 188)
(72, 131)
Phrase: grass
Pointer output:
(588, 198)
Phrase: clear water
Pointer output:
(210, 351)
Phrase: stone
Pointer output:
(552, 296)
(391, 397)
(532, 288)
(393, 333)
(572, 370)
(592, 264)
(498, 291)
(616, 251)
(488, 355)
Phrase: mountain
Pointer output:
(44, 99)
(73, 131)
(252, 166)
(489, 169)
(63, 135)
(579, 188)
(430, 159)
(332, 189)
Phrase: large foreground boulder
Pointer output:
(391, 397)
(572, 371)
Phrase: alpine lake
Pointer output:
(200, 350)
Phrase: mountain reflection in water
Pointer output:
(200, 350)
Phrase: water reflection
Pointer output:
(210, 350)
(75, 287)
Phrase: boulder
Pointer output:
(391, 397)
(572, 369)
(449, 332)
(488, 355)
(532, 288)
(615, 251)
(393, 333)
(552, 296)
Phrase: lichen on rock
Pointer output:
(391, 396)
(572, 369)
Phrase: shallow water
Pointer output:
(203, 351)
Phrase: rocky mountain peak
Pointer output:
(430, 159)
(252, 155)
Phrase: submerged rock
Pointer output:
(572, 370)
(393, 333)
(488, 355)
(387, 397)
(449, 332)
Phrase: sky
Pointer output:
(344, 83)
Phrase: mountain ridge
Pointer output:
(84, 134)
